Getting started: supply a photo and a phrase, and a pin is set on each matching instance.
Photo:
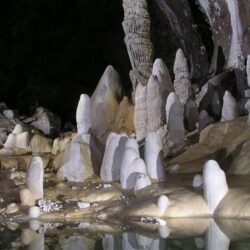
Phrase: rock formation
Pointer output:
(34, 179)
(216, 105)
(136, 26)
(46, 121)
(83, 115)
(153, 155)
(214, 184)
(140, 114)
(182, 83)
(155, 105)
(142, 181)
(204, 120)
(18, 138)
(104, 103)
(247, 106)
(131, 166)
(160, 71)
(191, 115)
(77, 164)
(162, 203)
(110, 169)
(174, 117)
(229, 109)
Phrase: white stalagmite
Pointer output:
(214, 184)
(131, 166)
(105, 102)
(153, 155)
(215, 238)
(140, 113)
(229, 109)
(18, 138)
(155, 105)
(142, 181)
(132, 143)
(182, 83)
(160, 70)
(248, 70)
(34, 179)
(162, 204)
(197, 181)
(83, 115)
(174, 118)
(110, 169)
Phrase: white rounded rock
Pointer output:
(162, 204)
(142, 181)
(197, 181)
(34, 212)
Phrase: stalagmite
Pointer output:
(182, 83)
(155, 105)
(204, 120)
(131, 166)
(142, 181)
(197, 181)
(105, 102)
(34, 179)
(215, 238)
(163, 203)
(174, 117)
(77, 164)
(214, 184)
(191, 115)
(18, 138)
(153, 155)
(248, 70)
(160, 70)
(216, 105)
(110, 169)
(83, 115)
(140, 113)
(247, 106)
(229, 109)
(136, 27)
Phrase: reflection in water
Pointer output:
(174, 235)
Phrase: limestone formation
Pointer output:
(142, 181)
(132, 143)
(83, 115)
(104, 103)
(136, 27)
(191, 115)
(204, 120)
(197, 181)
(18, 138)
(215, 238)
(34, 179)
(34, 212)
(155, 105)
(248, 70)
(40, 144)
(247, 106)
(182, 84)
(140, 113)
(131, 166)
(174, 118)
(153, 155)
(216, 105)
(8, 113)
(229, 109)
(45, 121)
(77, 165)
(214, 184)
(160, 71)
(162, 204)
(110, 169)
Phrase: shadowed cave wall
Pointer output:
(52, 51)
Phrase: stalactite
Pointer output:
(136, 26)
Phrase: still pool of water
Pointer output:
(177, 234)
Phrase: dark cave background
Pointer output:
(52, 51)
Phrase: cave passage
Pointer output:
(52, 51)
